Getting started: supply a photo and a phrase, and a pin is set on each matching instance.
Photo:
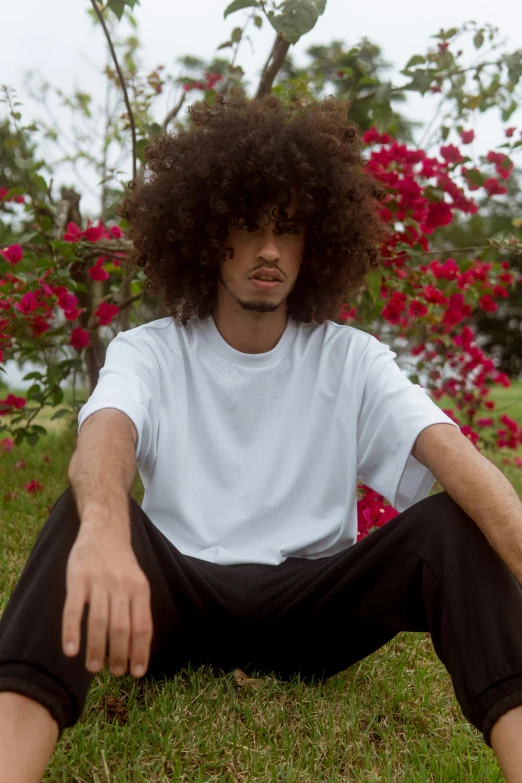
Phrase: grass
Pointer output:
(391, 717)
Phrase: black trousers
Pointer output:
(429, 569)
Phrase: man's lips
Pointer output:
(265, 285)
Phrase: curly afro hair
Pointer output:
(233, 160)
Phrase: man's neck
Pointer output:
(249, 336)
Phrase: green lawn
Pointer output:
(391, 717)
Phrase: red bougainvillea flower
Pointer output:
(10, 402)
(493, 187)
(503, 166)
(7, 444)
(451, 153)
(439, 214)
(20, 464)
(12, 254)
(27, 303)
(467, 136)
(73, 233)
(80, 338)
(67, 301)
(17, 199)
(93, 233)
(39, 325)
(33, 486)
(97, 272)
(372, 136)
(116, 232)
(509, 132)
(106, 312)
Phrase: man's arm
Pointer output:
(102, 469)
(477, 486)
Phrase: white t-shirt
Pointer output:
(253, 458)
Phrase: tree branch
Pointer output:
(279, 52)
(122, 83)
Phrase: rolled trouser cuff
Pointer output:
(37, 684)
(499, 699)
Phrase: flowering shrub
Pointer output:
(429, 302)
(420, 297)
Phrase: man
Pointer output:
(250, 422)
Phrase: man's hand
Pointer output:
(102, 570)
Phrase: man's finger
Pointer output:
(72, 617)
(141, 636)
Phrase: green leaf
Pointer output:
(18, 191)
(506, 113)
(421, 81)
(258, 21)
(57, 396)
(444, 132)
(238, 5)
(478, 39)
(60, 413)
(446, 34)
(34, 390)
(118, 6)
(32, 438)
(374, 280)
(383, 93)
(236, 34)
(417, 59)
(34, 374)
(225, 45)
(53, 374)
(475, 177)
(39, 184)
(45, 222)
(296, 17)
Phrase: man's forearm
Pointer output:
(486, 496)
(102, 470)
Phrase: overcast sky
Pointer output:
(59, 40)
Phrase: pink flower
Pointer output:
(79, 338)
(13, 254)
(7, 444)
(73, 233)
(451, 153)
(10, 402)
(93, 233)
(33, 486)
(467, 136)
(439, 214)
(20, 464)
(97, 272)
(27, 303)
(72, 315)
(509, 132)
(494, 188)
(67, 301)
(106, 312)
(39, 326)
(116, 232)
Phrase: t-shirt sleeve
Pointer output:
(130, 382)
(392, 413)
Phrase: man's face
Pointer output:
(279, 251)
